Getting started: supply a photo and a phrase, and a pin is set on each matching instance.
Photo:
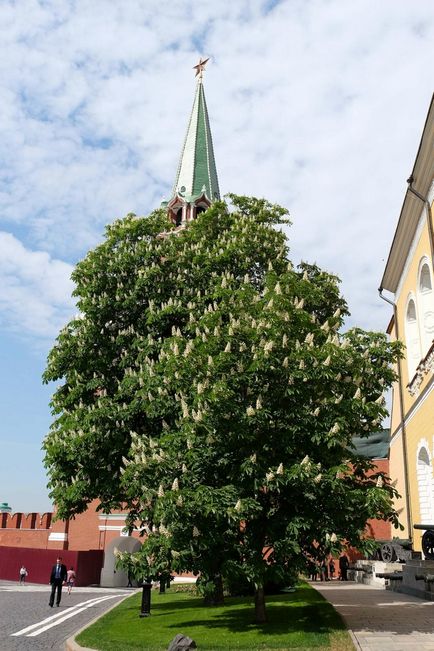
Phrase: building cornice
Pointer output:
(411, 209)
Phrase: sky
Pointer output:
(318, 105)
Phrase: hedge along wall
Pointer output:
(38, 562)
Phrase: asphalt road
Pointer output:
(27, 623)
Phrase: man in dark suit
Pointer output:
(58, 576)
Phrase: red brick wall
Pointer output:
(39, 562)
(24, 538)
(84, 532)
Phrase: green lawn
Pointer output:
(301, 620)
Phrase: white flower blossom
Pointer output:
(250, 411)
(327, 361)
(196, 532)
(269, 476)
(238, 506)
(279, 470)
(259, 402)
(380, 482)
(268, 346)
(160, 491)
(175, 485)
(318, 478)
(333, 538)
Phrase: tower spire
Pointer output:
(196, 183)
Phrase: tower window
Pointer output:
(178, 217)
(412, 338)
(425, 279)
(411, 312)
(199, 210)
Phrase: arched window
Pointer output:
(178, 217)
(425, 484)
(412, 338)
(426, 305)
(199, 209)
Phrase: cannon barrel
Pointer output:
(428, 578)
(424, 527)
(393, 576)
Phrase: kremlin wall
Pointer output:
(35, 540)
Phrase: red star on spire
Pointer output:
(200, 67)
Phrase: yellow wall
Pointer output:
(420, 422)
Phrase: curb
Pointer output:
(354, 640)
(72, 645)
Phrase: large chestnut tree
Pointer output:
(208, 386)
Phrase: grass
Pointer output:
(300, 620)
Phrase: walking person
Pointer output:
(58, 576)
(23, 574)
(343, 566)
(332, 569)
(70, 579)
(323, 571)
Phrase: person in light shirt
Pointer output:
(70, 579)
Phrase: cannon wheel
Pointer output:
(387, 553)
(428, 544)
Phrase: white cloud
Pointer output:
(318, 105)
(35, 290)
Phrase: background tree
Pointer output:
(207, 385)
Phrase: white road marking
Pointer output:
(58, 618)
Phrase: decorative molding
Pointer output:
(112, 516)
(416, 238)
(424, 367)
(57, 537)
(110, 527)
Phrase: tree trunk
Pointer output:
(260, 614)
(216, 598)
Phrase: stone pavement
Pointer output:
(381, 620)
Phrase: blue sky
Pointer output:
(316, 105)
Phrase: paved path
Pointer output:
(382, 620)
(28, 624)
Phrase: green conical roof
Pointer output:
(197, 173)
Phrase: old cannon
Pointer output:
(394, 550)
(427, 540)
(391, 576)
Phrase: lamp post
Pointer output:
(145, 609)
